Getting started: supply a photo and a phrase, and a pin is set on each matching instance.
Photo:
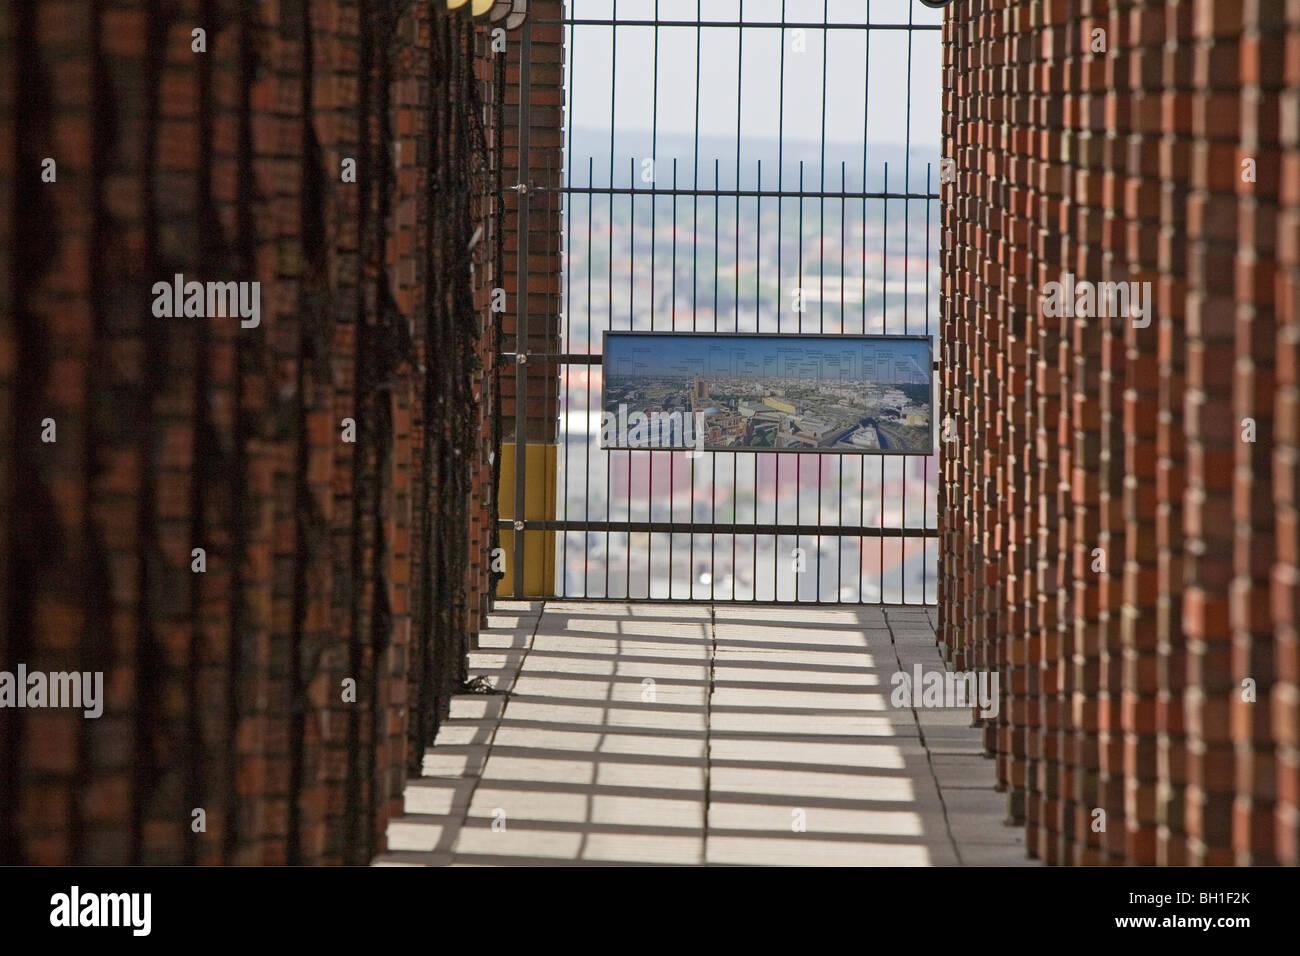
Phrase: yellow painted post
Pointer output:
(539, 505)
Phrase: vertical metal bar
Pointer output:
(631, 323)
(925, 462)
(521, 305)
(695, 208)
(907, 291)
(672, 316)
(654, 168)
(758, 312)
(566, 256)
(713, 457)
(821, 268)
(740, 63)
(866, 112)
(884, 327)
(609, 281)
(780, 242)
(821, 208)
(839, 461)
(552, 384)
(565, 382)
(586, 500)
(672, 291)
(803, 306)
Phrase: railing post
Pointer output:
(521, 307)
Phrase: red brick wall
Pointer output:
(1111, 543)
(542, 171)
(326, 560)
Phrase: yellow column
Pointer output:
(539, 505)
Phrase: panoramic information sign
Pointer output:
(711, 391)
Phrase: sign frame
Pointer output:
(822, 337)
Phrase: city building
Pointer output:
(781, 405)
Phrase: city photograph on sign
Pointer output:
(707, 391)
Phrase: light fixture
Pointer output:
(475, 8)
(517, 15)
(513, 12)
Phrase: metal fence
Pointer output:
(718, 159)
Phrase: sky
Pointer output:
(865, 84)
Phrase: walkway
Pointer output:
(686, 734)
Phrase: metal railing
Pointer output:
(711, 247)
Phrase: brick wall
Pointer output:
(541, 170)
(1113, 542)
(327, 560)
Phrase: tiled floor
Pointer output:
(688, 734)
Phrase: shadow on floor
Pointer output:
(693, 734)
